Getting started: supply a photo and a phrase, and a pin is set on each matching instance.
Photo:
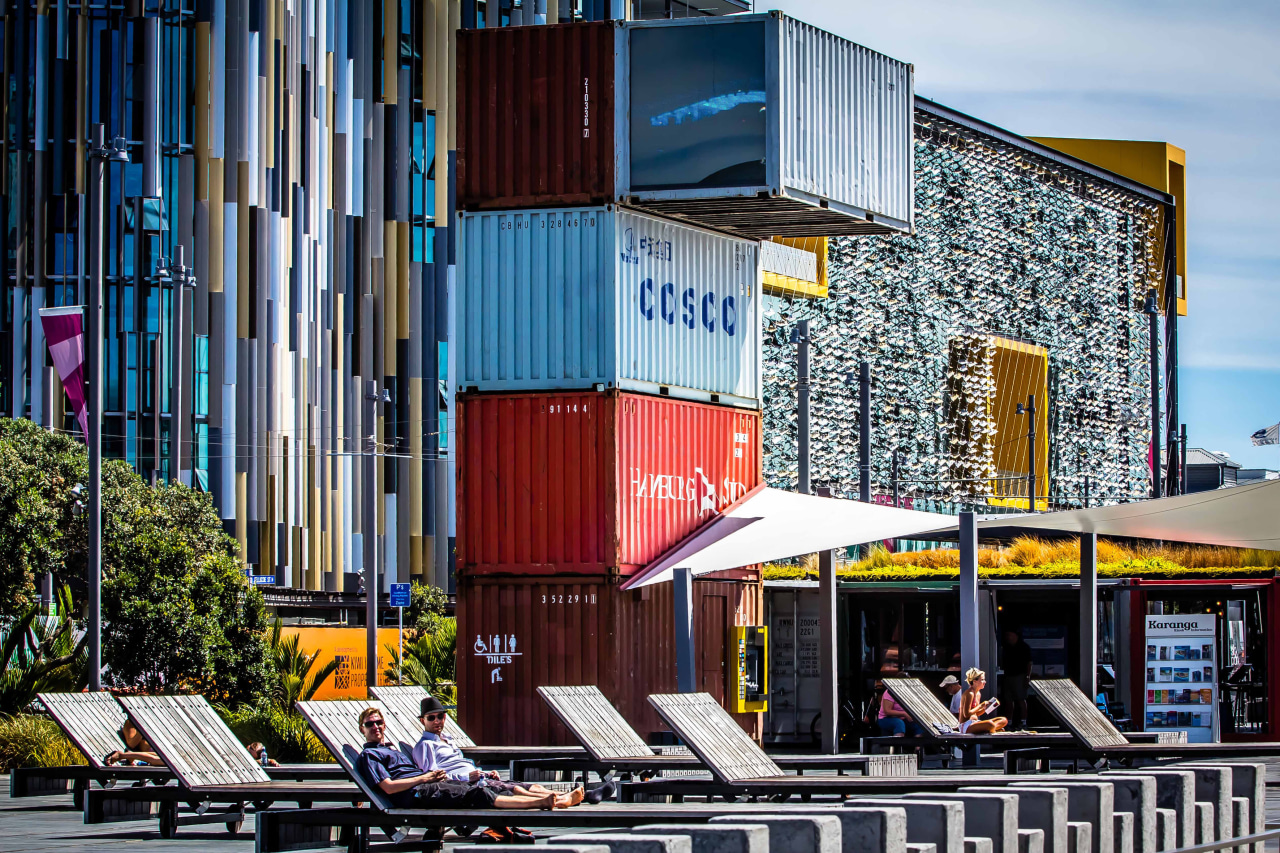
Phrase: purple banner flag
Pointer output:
(64, 332)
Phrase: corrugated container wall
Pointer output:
(585, 483)
(517, 635)
(582, 297)
(756, 124)
(536, 115)
(767, 126)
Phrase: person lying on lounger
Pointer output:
(435, 751)
(973, 708)
(394, 773)
(136, 748)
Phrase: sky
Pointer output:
(1203, 76)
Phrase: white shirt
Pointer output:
(955, 703)
(435, 752)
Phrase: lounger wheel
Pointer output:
(233, 826)
(302, 804)
(261, 805)
(804, 798)
(729, 798)
(168, 822)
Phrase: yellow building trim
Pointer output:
(777, 283)
(1158, 165)
(1019, 369)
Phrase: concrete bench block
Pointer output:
(1175, 790)
(922, 848)
(1135, 793)
(1044, 809)
(938, 822)
(1079, 836)
(625, 842)
(978, 845)
(866, 829)
(1030, 841)
(810, 833)
(1205, 813)
(1249, 780)
(892, 765)
(1240, 821)
(740, 838)
(993, 816)
(1122, 838)
(1213, 785)
(1087, 802)
(1166, 830)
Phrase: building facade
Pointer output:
(1026, 275)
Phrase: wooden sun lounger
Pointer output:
(405, 703)
(1095, 738)
(613, 745)
(335, 723)
(740, 767)
(92, 721)
(210, 765)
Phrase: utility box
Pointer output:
(749, 673)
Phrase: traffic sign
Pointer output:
(262, 580)
(400, 595)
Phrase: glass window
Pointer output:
(698, 106)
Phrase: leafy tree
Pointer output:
(38, 468)
(428, 606)
(430, 661)
(178, 613)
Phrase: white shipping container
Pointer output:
(605, 296)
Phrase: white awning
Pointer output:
(770, 524)
(1240, 517)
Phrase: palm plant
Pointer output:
(40, 653)
(430, 661)
(293, 666)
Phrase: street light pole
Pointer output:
(800, 337)
(1153, 332)
(181, 279)
(372, 397)
(1030, 411)
(864, 432)
(99, 155)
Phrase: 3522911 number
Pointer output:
(570, 598)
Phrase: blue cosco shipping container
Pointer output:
(606, 296)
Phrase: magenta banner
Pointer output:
(64, 332)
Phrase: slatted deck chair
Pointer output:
(92, 722)
(612, 744)
(211, 766)
(741, 767)
(941, 725)
(1096, 738)
(405, 703)
(335, 723)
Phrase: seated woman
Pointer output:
(137, 748)
(894, 720)
(973, 708)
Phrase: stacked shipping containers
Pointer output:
(608, 358)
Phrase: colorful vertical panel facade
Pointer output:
(299, 153)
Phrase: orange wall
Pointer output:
(348, 645)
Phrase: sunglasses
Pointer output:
(373, 724)
(431, 718)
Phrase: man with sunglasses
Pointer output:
(384, 765)
(435, 752)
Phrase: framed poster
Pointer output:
(1181, 676)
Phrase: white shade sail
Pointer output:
(1240, 517)
(770, 524)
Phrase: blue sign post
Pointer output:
(400, 596)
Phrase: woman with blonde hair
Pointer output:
(972, 707)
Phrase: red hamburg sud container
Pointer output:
(515, 635)
(588, 483)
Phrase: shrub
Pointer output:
(28, 740)
(285, 734)
(430, 661)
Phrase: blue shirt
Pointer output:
(379, 761)
(435, 752)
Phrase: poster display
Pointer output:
(1181, 682)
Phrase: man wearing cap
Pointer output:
(434, 752)
(951, 684)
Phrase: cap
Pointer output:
(949, 680)
(429, 706)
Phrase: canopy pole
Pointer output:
(682, 592)
(1089, 614)
(970, 649)
(801, 338)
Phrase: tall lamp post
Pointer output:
(176, 272)
(1152, 309)
(1030, 411)
(100, 154)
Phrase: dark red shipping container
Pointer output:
(517, 635)
(587, 483)
(535, 116)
